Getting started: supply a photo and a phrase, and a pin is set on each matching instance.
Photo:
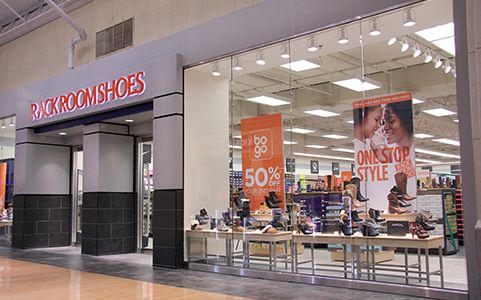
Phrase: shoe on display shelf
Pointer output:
(394, 207)
(426, 215)
(402, 182)
(221, 226)
(355, 216)
(269, 229)
(416, 229)
(345, 229)
(375, 214)
(357, 182)
(423, 224)
(304, 229)
(367, 229)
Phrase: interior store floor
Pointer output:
(138, 266)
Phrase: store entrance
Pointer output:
(77, 193)
(145, 193)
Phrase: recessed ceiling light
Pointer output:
(316, 146)
(409, 18)
(392, 41)
(62, 133)
(343, 35)
(300, 130)
(267, 100)
(129, 120)
(290, 143)
(311, 44)
(447, 141)
(321, 113)
(335, 136)
(427, 161)
(344, 150)
(215, 70)
(324, 156)
(350, 121)
(423, 135)
(417, 101)
(260, 58)
(439, 112)
(456, 120)
(357, 85)
(235, 147)
(300, 65)
(375, 27)
(436, 153)
(285, 51)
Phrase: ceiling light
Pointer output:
(409, 18)
(447, 45)
(215, 70)
(311, 45)
(3, 126)
(417, 101)
(423, 135)
(260, 58)
(453, 71)
(324, 156)
(438, 62)
(416, 51)
(350, 121)
(11, 123)
(300, 130)
(321, 113)
(439, 112)
(357, 85)
(342, 35)
(268, 100)
(316, 146)
(344, 150)
(392, 41)
(237, 65)
(435, 153)
(447, 141)
(129, 120)
(428, 56)
(335, 136)
(237, 137)
(442, 36)
(456, 120)
(447, 67)
(235, 147)
(427, 161)
(289, 143)
(62, 133)
(375, 27)
(285, 51)
(300, 65)
(404, 44)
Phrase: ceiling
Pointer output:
(314, 89)
(20, 6)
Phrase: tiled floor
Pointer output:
(138, 267)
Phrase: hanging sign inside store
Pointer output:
(262, 160)
(100, 94)
(314, 166)
(384, 148)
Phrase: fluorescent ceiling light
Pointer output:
(335, 136)
(62, 133)
(300, 130)
(344, 150)
(316, 146)
(323, 156)
(423, 135)
(435, 153)
(417, 101)
(439, 112)
(290, 143)
(350, 121)
(447, 141)
(267, 100)
(357, 85)
(129, 121)
(235, 147)
(437, 32)
(447, 45)
(456, 120)
(321, 113)
(427, 161)
(237, 136)
(300, 65)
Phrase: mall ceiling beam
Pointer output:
(12, 10)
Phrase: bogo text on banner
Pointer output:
(262, 158)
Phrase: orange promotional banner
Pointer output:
(3, 184)
(262, 159)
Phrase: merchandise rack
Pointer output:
(459, 215)
(323, 205)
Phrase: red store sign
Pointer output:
(116, 89)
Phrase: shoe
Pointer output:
(203, 212)
(357, 182)
(426, 215)
(227, 218)
(345, 229)
(367, 229)
(269, 202)
(402, 182)
(394, 207)
(403, 203)
(221, 225)
(423, 224)
(351, 191)
(376, 215)
(194, 225)
(355, 216)
(274, 198)
(416, 229)
(304, 229)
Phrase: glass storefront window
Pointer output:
(342, 154)
(7, 159)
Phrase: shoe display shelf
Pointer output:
(235, 179)
(441, 203)
(459, 216)
(323, 207)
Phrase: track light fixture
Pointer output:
(260, 58)
(285, 51)
(311, 45)
(447, 67)
(438, 62)
(215, 70)
(428, 57)
(392, 41)
(409, 18)
(343, 35)
(416, 51)
(237, 66)
(404, 44)
(374, 27)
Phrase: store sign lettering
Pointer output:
(116, 89)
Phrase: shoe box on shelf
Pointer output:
(441, 203)
(459, 216)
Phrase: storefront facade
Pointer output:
(193, 139)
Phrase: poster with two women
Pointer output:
(384, 150)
